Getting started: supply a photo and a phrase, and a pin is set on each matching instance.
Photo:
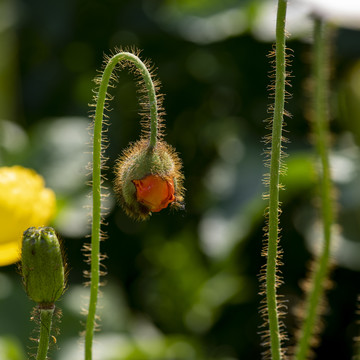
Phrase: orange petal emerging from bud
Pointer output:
(149, 179)
(154, 192)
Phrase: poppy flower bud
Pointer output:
(42, 265)
(148, 179)
(154, 192)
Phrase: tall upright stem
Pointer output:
(321, 132)
(96, 178)
(45, 328)
(275, 165)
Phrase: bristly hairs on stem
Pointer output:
(272, 306)
(318, 278)
(45, 332)
(151, 105)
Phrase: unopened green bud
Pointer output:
(42, 265)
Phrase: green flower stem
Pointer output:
(45, 328)
(275, 163)
(321, 132)
(96, 180)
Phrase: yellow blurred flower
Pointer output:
(24, 202)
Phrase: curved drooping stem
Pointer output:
(101, 100)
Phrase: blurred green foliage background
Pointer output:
(183, 285)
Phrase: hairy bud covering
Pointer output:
(148, 179)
